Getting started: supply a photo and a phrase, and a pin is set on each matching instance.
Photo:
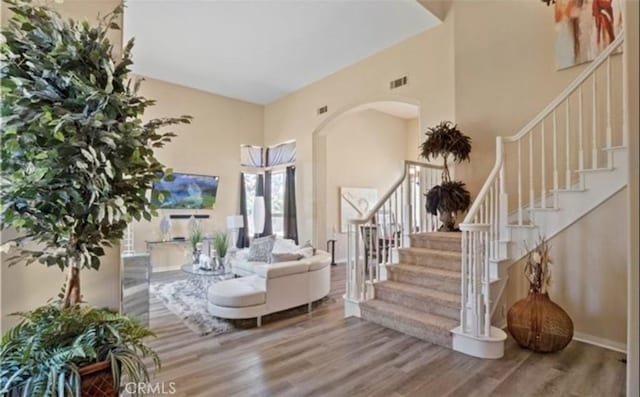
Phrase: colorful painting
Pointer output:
(584, 28)
(355, 202)
(187, 191)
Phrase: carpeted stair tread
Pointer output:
(438, 279)
(429, 251)
(443, 241)
(429, 327)
(439, 235)
(433, 258)
(420, 292)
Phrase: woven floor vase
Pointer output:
(97, 380)
(538, 324)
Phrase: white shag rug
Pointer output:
(190, 307)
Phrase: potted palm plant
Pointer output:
(450, 197)
(77, 163)
(71, 351)
(195, 239)
(221, 245)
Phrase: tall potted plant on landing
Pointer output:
(450, 197)
(77, 162)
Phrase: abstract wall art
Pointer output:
(584, 28)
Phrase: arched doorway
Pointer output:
(363, 147)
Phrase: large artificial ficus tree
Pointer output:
(77, 158)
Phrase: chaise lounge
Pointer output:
(271, 288)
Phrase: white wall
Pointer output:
(210, 145)
(25, 288)
(588, 275)
(427, 60)
(632, 11)
(365, 148)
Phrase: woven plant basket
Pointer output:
(97, 380)
(538, 324)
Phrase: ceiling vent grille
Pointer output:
(398, 82)
(323, 109)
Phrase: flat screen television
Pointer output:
(187, 191)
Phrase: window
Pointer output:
(258, 159)
(277, 202)
(250, 182)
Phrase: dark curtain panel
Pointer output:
(290, 216)
(243, 233)
(268, 224)
(260, 193)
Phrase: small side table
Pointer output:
(331, 247)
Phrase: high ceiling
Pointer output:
(261, 50)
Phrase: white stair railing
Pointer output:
(537, 164)
(373, 240)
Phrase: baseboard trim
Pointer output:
(589, 339)
(600, 342)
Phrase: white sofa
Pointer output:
(269, 288)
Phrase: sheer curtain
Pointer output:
(290, 215)
(283, 153)
(251, 156)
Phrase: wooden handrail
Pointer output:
(582, 77)
(385, 197)
(500, 141)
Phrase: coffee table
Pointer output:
(200, 280)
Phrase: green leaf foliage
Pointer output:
(77, 157)
(221, 244)
(42, 355)
(450, 196)
(445, 139)
(195, 237)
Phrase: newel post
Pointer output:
(354, 289)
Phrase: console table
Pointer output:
(175, 260)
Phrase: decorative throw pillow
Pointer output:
(284, 245)
(261, 248)
(285, 257)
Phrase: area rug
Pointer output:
(180, 299)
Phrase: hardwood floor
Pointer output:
(325, 354)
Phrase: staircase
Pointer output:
(421, 297)
(446, 287)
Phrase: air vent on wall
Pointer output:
(398, 82)
(323, 109)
